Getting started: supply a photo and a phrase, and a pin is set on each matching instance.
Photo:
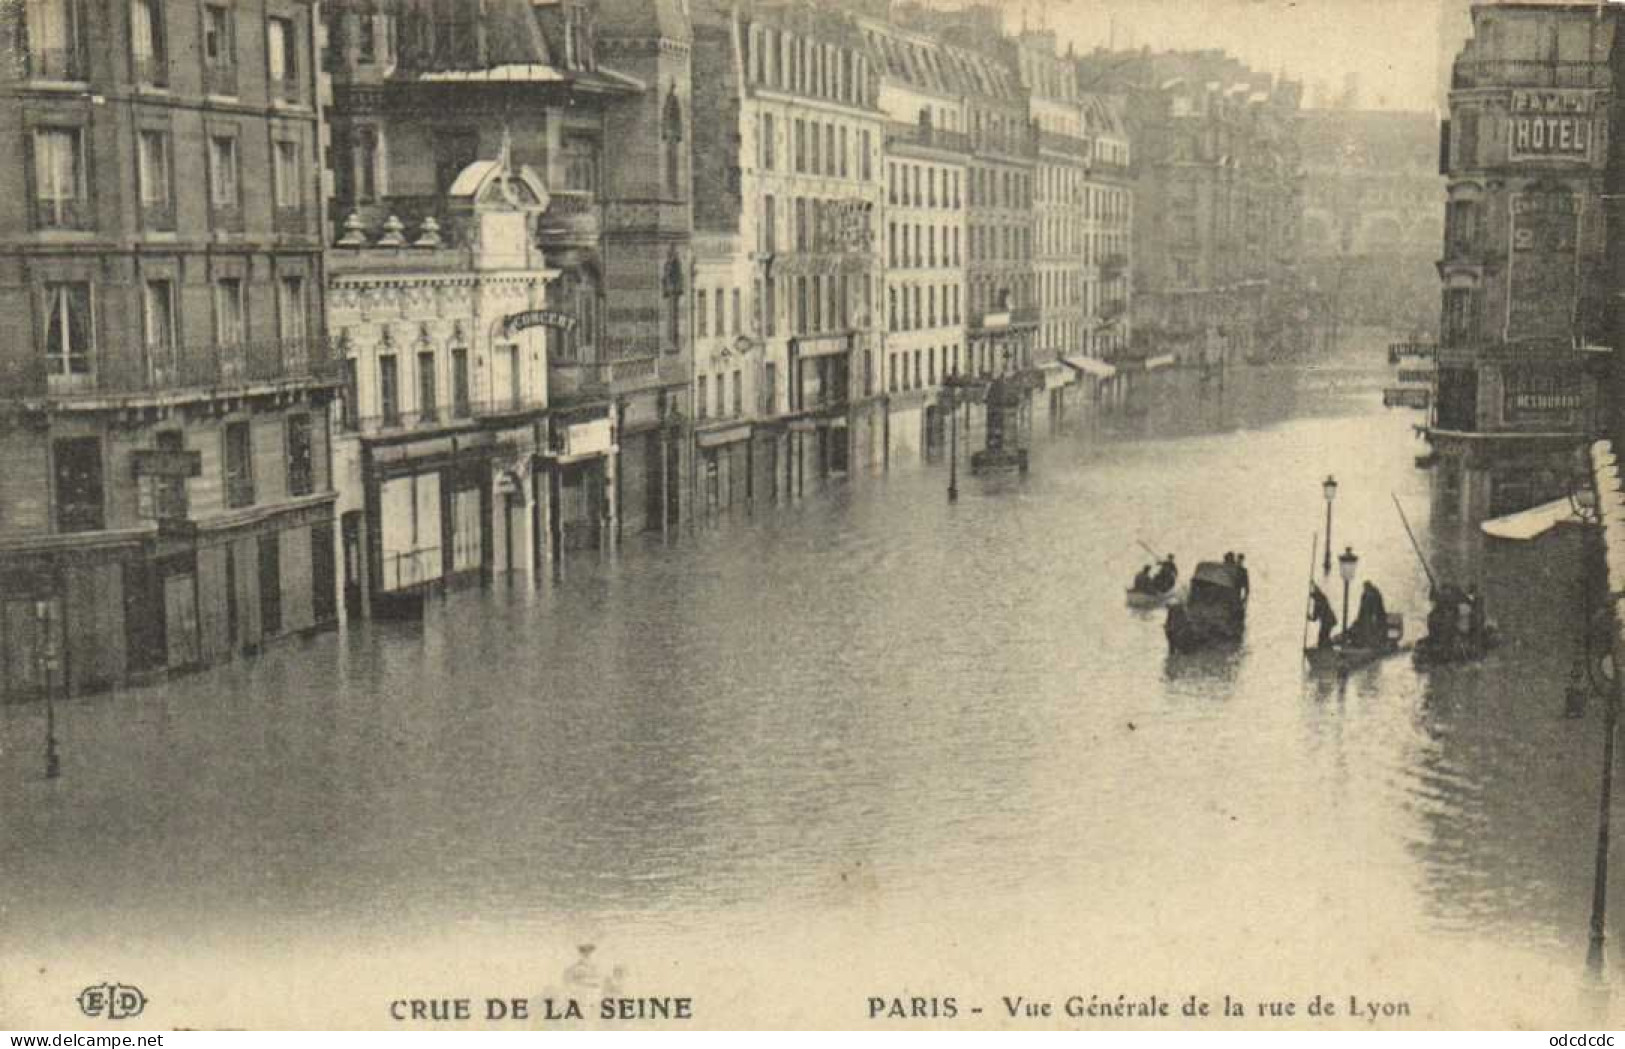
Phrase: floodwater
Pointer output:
(871, 744)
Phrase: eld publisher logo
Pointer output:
(112, 1001)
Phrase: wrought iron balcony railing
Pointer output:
(143, 371)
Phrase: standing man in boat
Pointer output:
(1143, 583)
(1167, 574)
(1246, 580)
(1370, 629)
(1320, 611)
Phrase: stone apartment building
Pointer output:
(1217, 203)
(789, 150)
(1526, 274)
(165, 494)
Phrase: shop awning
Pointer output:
(1056, 374)
(1532, 523)
(1091, 366)
(1166, 360)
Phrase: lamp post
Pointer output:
(1347, 562)
(53, 763)
(1329, 486)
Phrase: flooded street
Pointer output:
(796, 746)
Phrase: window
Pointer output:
(301, 461)
(672, 133)
(281, 46)
(69, 337)
(54, 39)
(842, 150)
(286, 175)
(228, 311)
(152, 163)
(367, 37)
(829, 149)
(239, 465)
(721, 319)
(580, 164)
(770, 309)
(801, 147)
(365, 156)
(702, 398)
(219, 49)
(767, 142)
(865, 171)
(158, 322)
(169, 492)
(270, 568)
(291, 309)
(459, 382)
(223, 189)
(389, 390)
(739, 392)
(816, 165)
(150, 62)
(700, 325)
(770, 389)
(77, 469)
(426, 384)
(59, 179)
(722, 396)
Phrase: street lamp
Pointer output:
(1347, 562)
(1329, 486)
(53, 763)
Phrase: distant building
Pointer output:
(165, 496)
(1371, 221)
(1525, 281)
(1217, 203)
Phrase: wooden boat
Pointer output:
(1429, 653)
(1213, 613)
(1342, 658)
(1150, 598)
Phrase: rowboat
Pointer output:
(1431, 654)
(1345, 659)
(1150, 598)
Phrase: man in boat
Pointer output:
(1167, 574)
(1443, 618)
(1370, 629)
(1143, 583)
(1320, 611)
(1246, 580)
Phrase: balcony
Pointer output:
(1518, 73)
(211, 368)
(455, 415)
(1066, 145)
(285, 90)
(926, 135)
(48, 63)
(572, 219)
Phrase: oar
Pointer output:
(1148, 549)
(1433, 583)
(1314, 548)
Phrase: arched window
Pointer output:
(671, 132)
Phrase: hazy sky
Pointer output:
(1391, 44)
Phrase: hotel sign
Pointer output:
(1552, 125)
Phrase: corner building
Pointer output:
(165, 496)
(1524, 274)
